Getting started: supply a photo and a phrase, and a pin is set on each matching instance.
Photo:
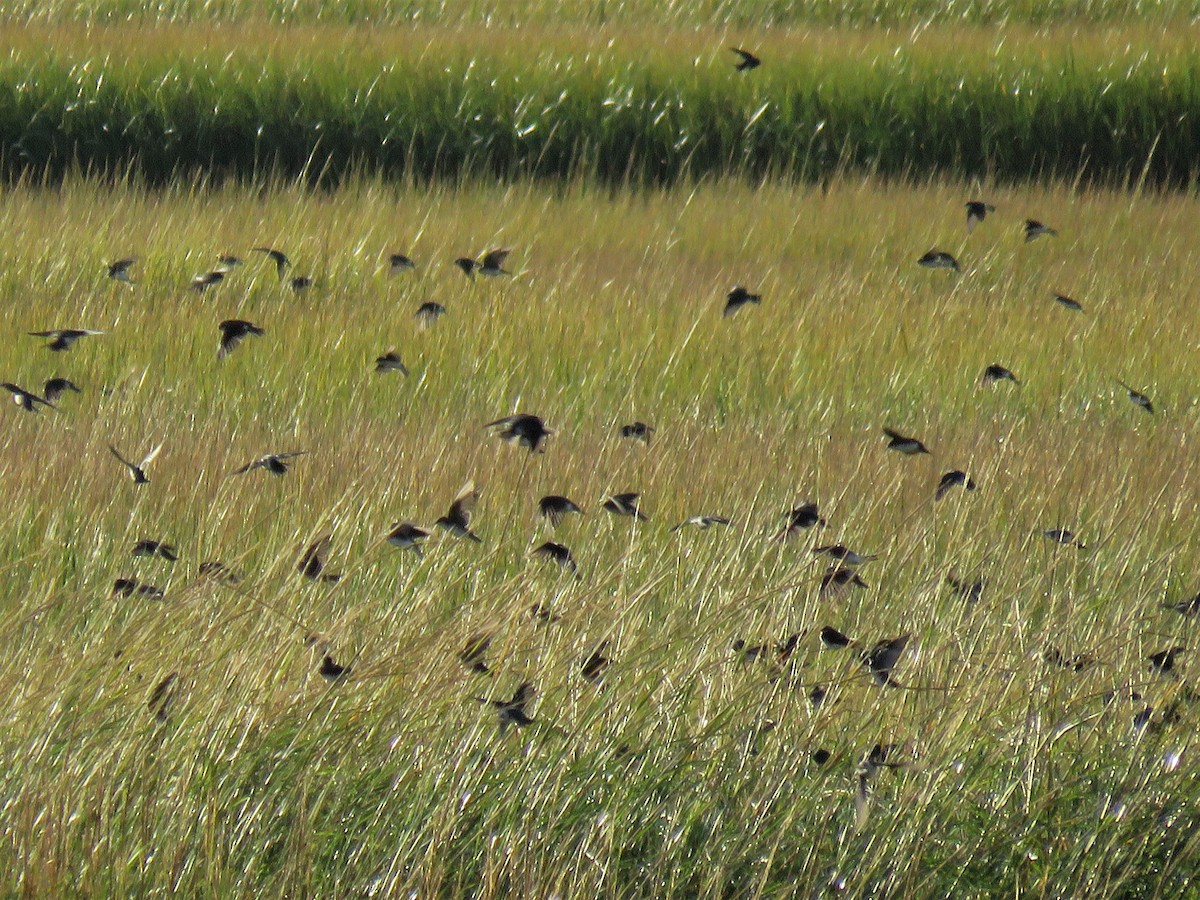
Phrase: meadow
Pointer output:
(690, 769)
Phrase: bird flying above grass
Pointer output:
(137, 471)
(524, 429)
(233, 332)
(746, 60)
(27, 400)
(63, 338)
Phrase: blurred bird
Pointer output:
(1163, 662)
(162, 697)
(901, 444)
(737, 298)
(747, 60)
(1055, 658)
(1189, 607)
(625, 504)
(540, 612)
(523, 429)
(1063, 536)
(701, 522)
(512, 712)
(844, 555)
(407, 536)
(491, 265)
(233, 332)
(148, 547)
(473, 653)
(1137, 398)
(63, 338)
(996, 372)
(977, 211)
(428, 313)
(275, 463)
(938, 259)
(398, 263)
(331, 671)
(837, 578)
(280, 258)
(312, 563)
(390, 362)
(131, 587)
(638, 431)
(834, 639)
(558, 553)
(205, 280)
(970, 591)
(882, 658)
(56, 387)
(799, 519)
(300, 283)
(227, 261)
(952, 479)
(1035, 229)
(218, 571)
(555, 508)
(24, 399)
(137, 472)
(1070, 304)
(119, 270)
(596, 664)
(457, 519)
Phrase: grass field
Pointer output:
(691, 769)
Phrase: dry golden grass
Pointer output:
(267, 778)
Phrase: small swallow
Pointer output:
(952, 479)
(331, 671)
(62, 338)
(407, 536)
(970, 591)
(512, 712)
(1137, 398)
(748, 653)
(882, 658)
(457, 519)
(428, 313)
(312, 565)
(24, 399)
(390, 362)
(56, 387)
(540, 612)
(473, 653)
(901, 444)
(300, 283)
(280, 258)
(638, 431)
(820, 756)
(137, 472)
(1035, 229)
(131, 587)
(1063, 536)
(275, 463)
(1055, 658)
(467, 265)
(977, 211)
(156, 548)
(938, 259)
(625, 504)
(218, 571)
(522, 428)
(555, 508)
(492, 263)
(119, 270)
(737, 298)
(1066, 301)
(834, 639)
(837, 578)
(701, 522)
(233, 332)
(227, 261)
(398, 263)
(1163, 662)
(747, 59)
(1189, 607)
(162, 696)
(596, 664)
(559, 553)
(205, 280)
(800, 518)
(844, 555)
(996, 372)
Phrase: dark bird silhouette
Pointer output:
(63, 338)
(838, 578)
(701, 522)
(331, 671)
(428, 313)
(1056, 659)
(474, 652)
(491, 265)
(467, 265)
(1189, 607)
(119, 270)
(137, 471)
(996, 372)
(802, 517)
(407, 536)
(56, 387)
(1064, 536)
(1073, 305)
(1163, 662)
(555, 507)
(737, 298)
(280, 258)
(233, 332)
(844, 554)
(205, 280)
(625, 504)
(512, 712)
(275, 463)
(131, 587)
(312, 562)
(748, 653)
(970, 591)
(558, 553)
(638, 431)
(953, 479)
(390, 362)
(300, 283)
(977, 211)
(161, 549)
(596, 664)
(25, 399)
(901, 444)
(1035, 229)
(216, 570)
(834, 639)
(162, 697)
(398, 263)
(1137, 398)
(882, 658)
(457, 519)
(747, 60)
(543, 614)
(523, 429)
(227, 261)
(938, 259)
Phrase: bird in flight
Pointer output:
(838, 578)
(491, 265)
(205, 280)
(331, 671)
(56, 387)
(844, 555)
(161, 549)
(559, 553)
(280, 258)
(119, 270)
(63, 338)
(474, 652)
(397, 263)
(523, 429)
(1035, 229)
(1073, 305)
(952, 479)
(882, 658)
(233, 332)
(457, 519)
(938, 259)
(901, 444)
(977, 211)
(596, 664)
(800, 518)
(996, 372)
(1064, 536)
(275, 463)
(406, 536)
(625, 504)
(137, 471)
(390, 362)
(25, 399)
(428, 313)
(1137, 398)
(747, 60)
(300, 283)
(638, 431)
(737, 298)
(512, 712)
(312, 563)
(555, 507)
(701, 522)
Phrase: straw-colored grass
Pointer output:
(267, 779)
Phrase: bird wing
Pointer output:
(494, 259)
(113, 450)
(151, 455)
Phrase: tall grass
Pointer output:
(316, 103)
(267, 779)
